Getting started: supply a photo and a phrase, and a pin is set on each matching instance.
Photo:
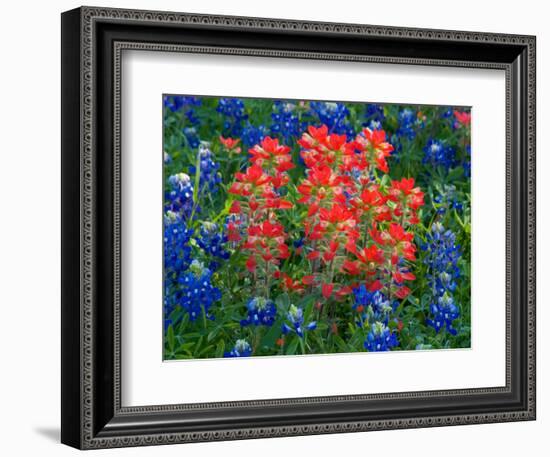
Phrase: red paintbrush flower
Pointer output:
(266, 244)
(319, 138)
(374, 286)
(335, 142)
(339, 216)
(368, 260)
(230, 144)
(267, 229)
(343, 292)
(337, 222)
(350, 267)
(254, 178)
(402, 292)
(277, 203)
(319, 179)
(372, 205)
(313, 255)
(373, 150)
(279, 180)
(402, 243)
(251, 264)
(283, 252)
(371, 256)
(322, 185)
(270, 154)
(408, 198)
(235, 207)
(463, 117)
(314, 137)
(403, 187)
(398, 233)
(329, 255)
(233, 232)
(320, 148)
(326, 290)
(405, 192)
(290, 284)
(403, 275)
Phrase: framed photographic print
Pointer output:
(275, 227)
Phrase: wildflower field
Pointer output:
(310, 227)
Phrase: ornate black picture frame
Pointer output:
(92, 42)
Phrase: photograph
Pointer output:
(307, 227)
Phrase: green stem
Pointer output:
(203, 317)
(302, 345)
(267, 282)
(196, 187)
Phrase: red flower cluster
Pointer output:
(266, 241)
(258, 200)
(357, 220)
(319, 148)
(370, 148)
(230, 144)
(271, 155)
(463, 118)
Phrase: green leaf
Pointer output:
(272, 335)
(185, 349)
(170, 338)
(205, 350)
(176, 314)
(322, 326)
(308, 300)
(180, 328)
(291, 348)
(308, 308)
(385, 181)
(283, 301)
(213, 334)
(341, 343)
(220, 348)
(455, 173)
(198, 346)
